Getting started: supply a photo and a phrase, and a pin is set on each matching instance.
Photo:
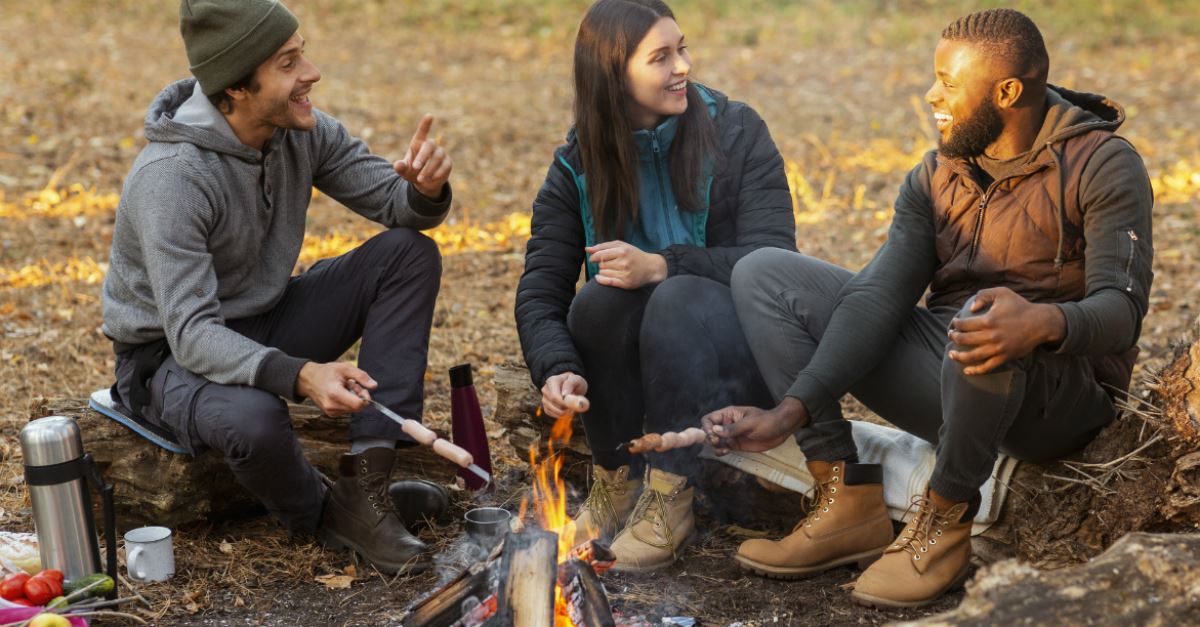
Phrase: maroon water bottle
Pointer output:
(467, 423)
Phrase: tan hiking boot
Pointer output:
(659, 527)
(847, 522)
(930, 557)
(609, 502)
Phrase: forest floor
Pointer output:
(840, 85)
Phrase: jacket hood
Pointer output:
(203, 129)
(1071, 113)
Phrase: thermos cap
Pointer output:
(460, 376)
(51, 440)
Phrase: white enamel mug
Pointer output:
(149, 554)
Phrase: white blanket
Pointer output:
(907, 464)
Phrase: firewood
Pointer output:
(527, 577)
(587, 603)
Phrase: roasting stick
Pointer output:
(664, 442)
(428, 437)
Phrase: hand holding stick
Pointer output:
(426, 436)
(660, 443)
(577, 403)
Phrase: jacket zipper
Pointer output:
(983, 202)
(662, 198)
(1133, 238)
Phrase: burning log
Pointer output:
(527, 578)
(467, 600)
(587, 603)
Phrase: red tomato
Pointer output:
(13, 587)
(22, 601)
(52, 573)
(39, 590)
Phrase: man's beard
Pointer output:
(972, 136)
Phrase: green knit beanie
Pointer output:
(227, 39)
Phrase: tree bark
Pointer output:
(1143, 579)
(152, 485)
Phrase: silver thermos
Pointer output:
(58, 474)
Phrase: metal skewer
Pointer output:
(428, 437)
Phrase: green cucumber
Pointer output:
(96, 585)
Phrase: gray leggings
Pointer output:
(1040, 407)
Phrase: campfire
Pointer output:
(544, 575)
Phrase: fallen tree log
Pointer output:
(152, 485)
(1143, 579)
(1140, 473)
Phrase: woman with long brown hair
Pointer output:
(662, 186)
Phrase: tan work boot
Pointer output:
(847, 522)
(930, 557)
(609, 502)
(659, 527)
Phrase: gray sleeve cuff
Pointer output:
(278, 373)
(810, 391)
(1075, 342)
(429, 207)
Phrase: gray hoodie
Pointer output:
(209, 230)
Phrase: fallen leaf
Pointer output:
(335, 582)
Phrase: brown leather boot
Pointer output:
(931, 556)
(359, 514)
(847, 522)
(608, 504)
(660, 526)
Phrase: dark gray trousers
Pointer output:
(1040, 407)
(382, 292)
(656, 360)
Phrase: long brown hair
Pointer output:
(608, 36)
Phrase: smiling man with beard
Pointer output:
(212, 332)
(1031, 227)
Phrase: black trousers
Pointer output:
(657, 359)
(1037, 408)
(382, 292)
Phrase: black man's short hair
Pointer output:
(1008, 34)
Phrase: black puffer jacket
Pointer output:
(750, 208)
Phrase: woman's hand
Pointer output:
(625, 266)
(557, 388)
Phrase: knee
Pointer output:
(253, 423)
(411, 248)
(680, 301)
(749, 271)
(595, 308)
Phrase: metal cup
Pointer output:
(487, 525)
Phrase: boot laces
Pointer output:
(652, 507)
(375, 486)
(818, 499)
(923, 530)
(599, 500)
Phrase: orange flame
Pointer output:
(549, 503)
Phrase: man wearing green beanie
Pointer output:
(211, 331)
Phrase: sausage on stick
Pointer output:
(666, 441)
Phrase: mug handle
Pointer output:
(131, 560)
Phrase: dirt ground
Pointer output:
(839, 84)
